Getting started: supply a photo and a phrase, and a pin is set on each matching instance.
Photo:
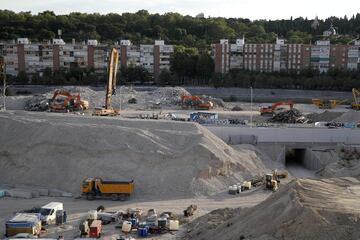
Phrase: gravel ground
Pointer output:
(77, 209)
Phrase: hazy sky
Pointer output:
(253, 9)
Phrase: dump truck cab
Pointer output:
(88, 185)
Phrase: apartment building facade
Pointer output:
(353, 56)
(153, 58)
(280, 56)
(33, 58)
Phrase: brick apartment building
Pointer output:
(32, 58)
(280, 56)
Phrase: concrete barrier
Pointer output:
(289, 135)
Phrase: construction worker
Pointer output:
(65, 216)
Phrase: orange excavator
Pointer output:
(107, 110)
(196, 102)
(276, 107)
(63, 101)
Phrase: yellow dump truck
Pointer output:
(96, 187)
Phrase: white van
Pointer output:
(48, 212)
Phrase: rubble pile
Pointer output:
(125, 98)
(169, 95)
(218, 102)
(38, 103)
(290, 116)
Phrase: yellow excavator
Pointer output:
(107, 110)
(356, 104)
(327, 104)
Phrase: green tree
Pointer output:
(204, 68)
(183, 63)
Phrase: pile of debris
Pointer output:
(38, 103)
(169, 95)
(290, 116)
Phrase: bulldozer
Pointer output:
(107, 110)
(272, 181)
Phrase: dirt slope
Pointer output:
(166, 159)
(304, 209)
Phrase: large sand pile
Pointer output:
(325, 116)
(167, 159)
(347, 164)
(351, 116)
(305, 209)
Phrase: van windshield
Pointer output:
(45, 211)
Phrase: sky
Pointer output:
(252, 9)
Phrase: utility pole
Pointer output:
(251, 103)
(3, 73)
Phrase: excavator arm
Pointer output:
(111, 86)
(107, 110)
(356, 95)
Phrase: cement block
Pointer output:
(19, 193)
(59, 193)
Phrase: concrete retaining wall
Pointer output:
(288, 135)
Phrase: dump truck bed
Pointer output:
(116, 187)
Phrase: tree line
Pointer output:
(191, 63)
(174, 28)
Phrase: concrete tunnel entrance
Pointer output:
(295, 157)
(297, 162)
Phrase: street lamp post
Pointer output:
(3, 72)
(251, 108)
(251, 103)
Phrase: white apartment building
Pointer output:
(320, 55)
(353, 62)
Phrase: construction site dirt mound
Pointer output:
(305, 209)
(347, 164)
(351, 116)
(325, 116)
(166, 159)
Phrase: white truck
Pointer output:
(48, 212)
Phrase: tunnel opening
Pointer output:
(295, 157)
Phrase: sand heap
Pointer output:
(348, 163)
(325, 116)
(166, 159)
(305, 209)
(351, 116)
